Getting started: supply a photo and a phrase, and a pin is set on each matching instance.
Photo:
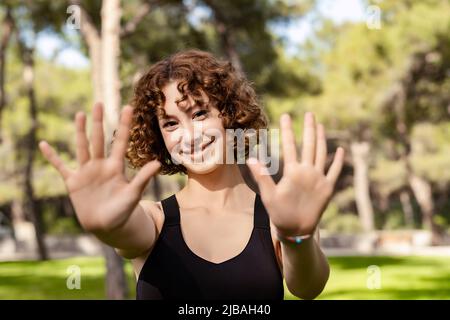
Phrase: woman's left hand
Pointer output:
(296, 204)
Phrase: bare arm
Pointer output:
(305, 268)
(136, 236)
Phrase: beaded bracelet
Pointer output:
(293, 239)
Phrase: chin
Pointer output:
(201, 168)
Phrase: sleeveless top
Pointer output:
(173, 271)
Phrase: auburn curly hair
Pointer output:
(195, 71)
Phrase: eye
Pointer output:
(200, 113)
(169, 124)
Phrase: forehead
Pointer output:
(173, 103)
(171, 93)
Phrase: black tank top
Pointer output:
(173, 271)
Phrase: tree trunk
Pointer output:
(157, 188)
(30, 201)
(111, 13)
(227, 38)
(94, 44)
(422, 191)
(116, 284)
(23, 231)
(104, 54)
(420, 187)
(7, 29)
(116, 281)
(408, 211)
(360, 154)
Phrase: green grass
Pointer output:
(401, 278)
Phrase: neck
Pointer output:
(223, 187)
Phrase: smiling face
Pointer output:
(203, 76)
(193, 133)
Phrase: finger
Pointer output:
(121, 141)
(288, 140)
(321, 148)
(97, 132)
(82, 143)
(336, 166)
(54, 159)
(309, 139)
(262, 176)
(141, 179)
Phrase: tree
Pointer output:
(394, 81)
(7, 30)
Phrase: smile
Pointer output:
(187, 153)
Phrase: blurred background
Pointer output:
(376, 73)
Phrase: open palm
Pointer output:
(102, 196)
(297, 202)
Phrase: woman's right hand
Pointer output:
(102, 196)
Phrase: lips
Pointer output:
(186, 152)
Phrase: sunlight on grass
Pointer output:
(401, 278)
(47, 280)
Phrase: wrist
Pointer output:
(295, 239)
(292, 237)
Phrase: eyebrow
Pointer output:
(165, 116)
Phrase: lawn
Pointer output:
(400, 278)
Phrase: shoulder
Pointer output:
(155, 210)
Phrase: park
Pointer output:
(381, 94)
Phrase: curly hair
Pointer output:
(195, 71)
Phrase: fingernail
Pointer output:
(309, 117)
(252, 161)
(321, 127)
(79, 114)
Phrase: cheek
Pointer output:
(213, 124)
(170, 139)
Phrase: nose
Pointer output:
(191, 138)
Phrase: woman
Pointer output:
(215, 238)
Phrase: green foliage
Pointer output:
(388, 176)
(347, 74)
(394, 220)
(363, 73)
(56, 225)
(336, 222)
(430, 155)
(60, 93)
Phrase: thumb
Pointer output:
(262, 176)
(144, 175)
